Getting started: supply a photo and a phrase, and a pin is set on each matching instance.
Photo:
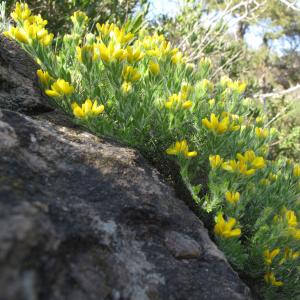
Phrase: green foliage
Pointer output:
(140, 90)
(286, 115)
(200, 30)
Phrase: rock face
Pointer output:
(83, 218)
(18, 85)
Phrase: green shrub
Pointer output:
(140, 90)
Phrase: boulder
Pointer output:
(19, 89)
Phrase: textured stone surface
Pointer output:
(182, 246)
(18, 84)
(83, 218)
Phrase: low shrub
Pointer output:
(140, 90)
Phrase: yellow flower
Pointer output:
(105, 29)
(87, 109)
(264, 181)
(270, 279)
(18, 34)
(296, 171)
(87, 54)
(260, 120)
(294, 232)
(225, 229)
(60, 88)
(21, 12)
(154, 67)
(269, 256)
(232, 197)
(187, 104)
(131, 74)
(215, 161)
(206, 85)
(47, 39)
(239, 167)
(181, 147)
(256, 162)
(185, 90)
(205, 62)
(230, 165)
(273, 177)
(211, 102)
(134, 54)
(38, 20)
(79, 17)
(175, 101)
(177, 58)
(126, 87)
(44, 77)
(215, 125)
(110, 53)
(120, 36)
(289, 254)
(237, 86)
(261, 133)
(291, 218)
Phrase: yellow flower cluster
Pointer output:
(216, 161)
(180, 100)
(79, 17)
(130, 74)
(156, 46)
(154, 67)
(225, 229)
(60, 88)
(270, 255)
(181, 148)
(236, 86)
(206, 85)
(232, 197)
(289, 254)
(270, 279)
(87, 109)
(290, 219)
(21, 12)
(32, 28)
(223, 123)
(118, 35)
(175, 101)
(86, 54)
(246, 164)
(126, 87)
(261, 132)
(44, 77)
(296, 170)
(205, 62)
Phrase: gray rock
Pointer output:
(82, 218)
(18, 83)
(182, 246)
